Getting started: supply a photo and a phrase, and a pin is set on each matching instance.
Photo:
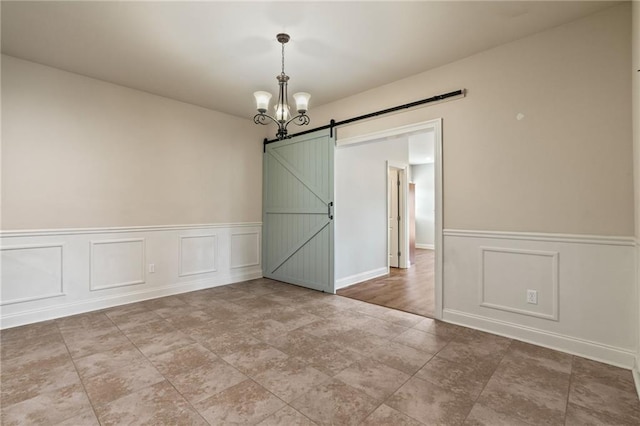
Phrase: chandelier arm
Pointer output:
(263, 119)
(300, 120)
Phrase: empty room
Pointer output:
(329, 213)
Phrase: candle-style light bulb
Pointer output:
(282, 112)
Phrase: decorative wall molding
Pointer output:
(358, 278)
(99, 269)
(109, 230)
(88, 305)
(182, 257)
(583, 280)
(553, 255)
(619, 357)
(538, 236)
(9, 280)
(107, 267)
(247, 262)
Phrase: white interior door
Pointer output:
(298, 226)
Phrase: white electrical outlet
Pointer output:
(532, 297)
(152, 268)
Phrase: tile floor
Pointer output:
(268, 353)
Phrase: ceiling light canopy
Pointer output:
(282, 114)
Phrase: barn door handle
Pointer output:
(330, 210)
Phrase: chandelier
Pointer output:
(282, 115)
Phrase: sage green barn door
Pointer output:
(298, 211)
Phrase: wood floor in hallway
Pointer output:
(409, 290)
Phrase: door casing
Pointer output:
(402, 224)
(436, 126)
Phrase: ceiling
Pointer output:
(216, 54)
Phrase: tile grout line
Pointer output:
(332, 377)
(276, 396)
(186, 400)
(75, 367)
(384, 402)
(399, 387)
(566, 407)
(153, 365)
(418, 378)
(167, 379)
(475, 401)
(248, 377)
(141, 353)
(297, 411)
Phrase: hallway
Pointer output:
(410, 290)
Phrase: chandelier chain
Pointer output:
(282, 58)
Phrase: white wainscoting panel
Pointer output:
(587, 291)
(31, 272)
(106, 267)
(507, 274)
(245, 249)
(117, 263)
(198, 254)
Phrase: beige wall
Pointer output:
(79, 152)
(566, 167)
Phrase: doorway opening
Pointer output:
(410, 235)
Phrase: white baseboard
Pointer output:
(586, 290)
(592, 350)
(48, 274)
(425, 246)
(58, 311)
(358, 278)
(636, 379)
